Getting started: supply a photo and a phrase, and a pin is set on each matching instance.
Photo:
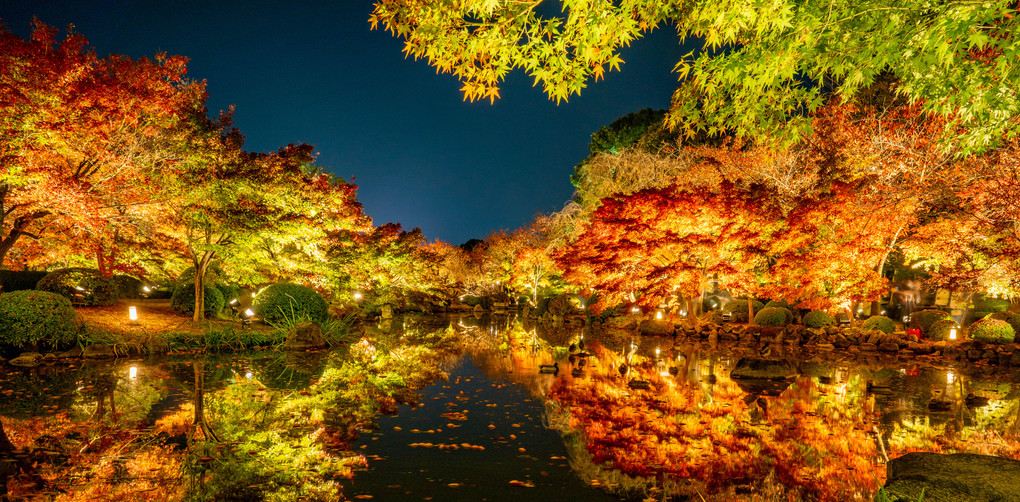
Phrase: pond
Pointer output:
(465, 408)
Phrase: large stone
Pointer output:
(27, 359)
(304, 336)
(98, 351)
(73, 353)
(157, 345)
(868, 347)
(889, 347)
(656, 328)
(763, 369)
(387, 311)
(960, 477)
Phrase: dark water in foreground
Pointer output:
(622, 418)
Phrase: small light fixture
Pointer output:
(248, 375)
(949, 377)
(234, 301)
(357, 296)
(79, 288)
(133, 314)
(906, 318)
(635, 310)
(658, 315)
(656, 352)
(146, 289)
(952, 333)
(133, 372)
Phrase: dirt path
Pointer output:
(154, 316)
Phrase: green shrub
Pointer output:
(738, 309)
(879, 322)
(939, 330)
(83, 286)
(779, 303)
(924, 319)
(1012, 318)
(543, 306)
(471, 300)
(974, 316)
(992, 331)
(183, 300)
(986, 304)
(36, 317)
(127, 286)
(229, 292)
(818, 319)
(773, 316)
(279, 302)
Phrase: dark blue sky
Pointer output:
(313, 72)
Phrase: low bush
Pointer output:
(779, 303)
(82, 286)
(992, 331)
(37, 318)
(818, 319)
(229, 292)
(543, 306)
(279, 302)
(471, 300)
(738, 309)
(940, 330)
(773, 316)
(924, 319)
(183, 300)
(1012, 318)
(986, 304)
(879, 322)
(127, 286)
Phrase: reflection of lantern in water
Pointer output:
(248, 375)
(949, 377)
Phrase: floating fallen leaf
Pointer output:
(525, 484)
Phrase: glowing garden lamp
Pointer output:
(133, 315)
(248, 314)
(357, 296)
(949, 377)
(133, 372)
(658, 315)
(952, 333)
(635, 310)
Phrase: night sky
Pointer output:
(313, 72)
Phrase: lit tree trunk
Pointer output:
(880, 268)
(201, 265)
(750, 309)
(19, 227)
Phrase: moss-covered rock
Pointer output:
(290, 302)
(818, 319)
(992, 331)
(37, 318)
(82, 286)
(879, 322)
(773, 316)
(183, 300)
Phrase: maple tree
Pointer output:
(759, 67)
(79, 133)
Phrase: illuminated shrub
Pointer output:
(36, 317)
(738, 309)
(924, 319)
(879, 322)
(773, 316)
(285, 301)
(940, 330)
(472, 300)
(1012, 318)
(183, 300)
(985, 304)
(127, 286)
(818, 319)
(82, 286)
(778, 303)
(228, 291)
(992, 331)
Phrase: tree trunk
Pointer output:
(201, 266)
(750, 309)
(5, 444)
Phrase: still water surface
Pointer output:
(622, 417)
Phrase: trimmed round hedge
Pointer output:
(286, 301)
(183, 300)
(818, 319)
(879, 322)
(939, 330)
(82, 286)
(738, 309)
(127, 286)
(1012, 318)
(779, 303)
(773, 316)
(992, 331)
(36, 317)
(924, 319)
(986, 304)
